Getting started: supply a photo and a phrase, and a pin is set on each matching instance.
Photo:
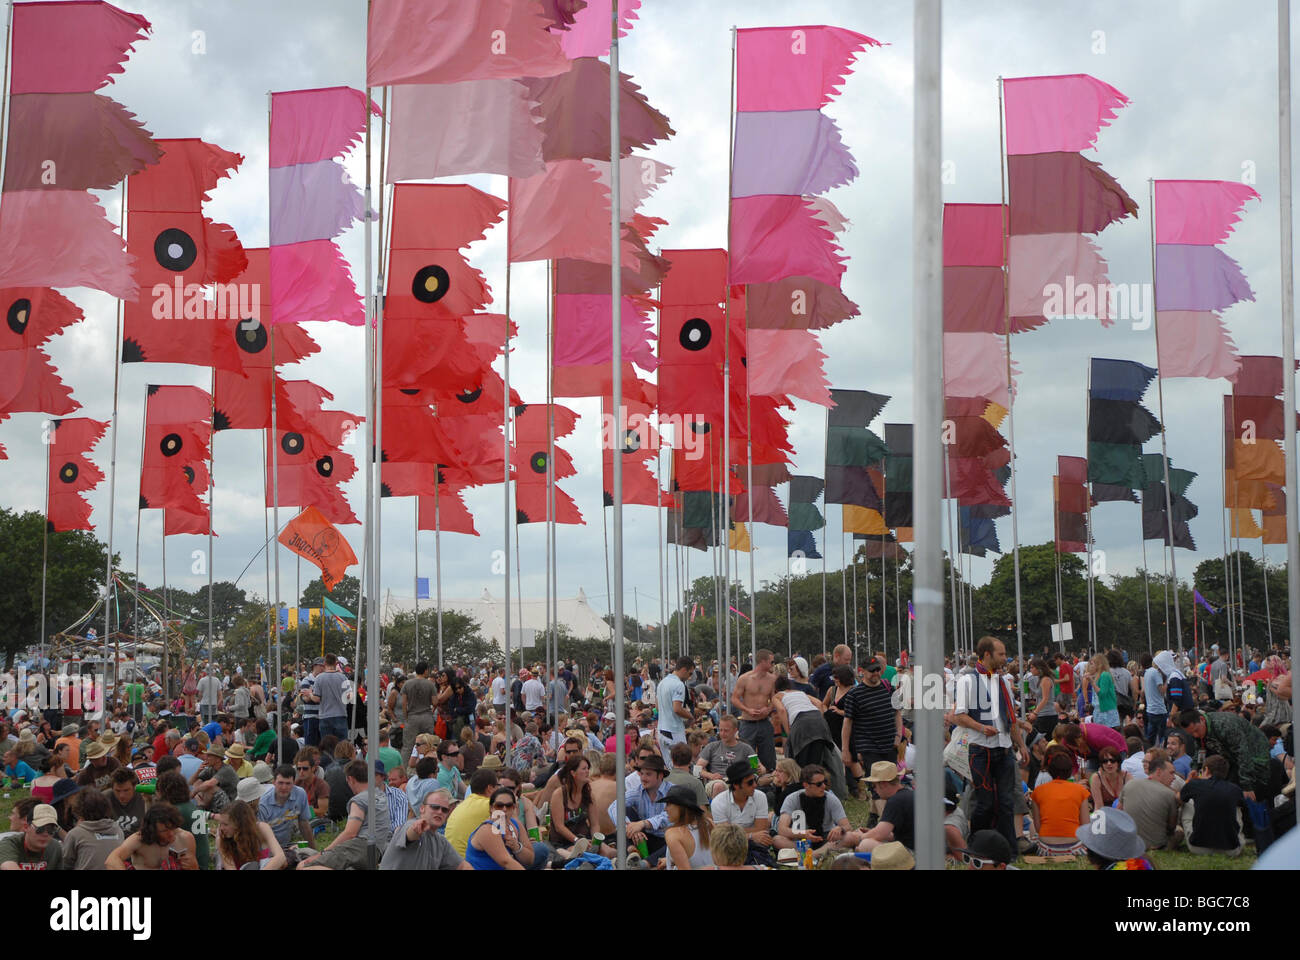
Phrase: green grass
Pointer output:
(859, 810)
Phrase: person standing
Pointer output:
(872, 728)
(498, 688)
(209, 690)
(985, 707)
(534, 693)
(823, 676)
(328, 690)
(752, 696)
(417, 696)
(1155, 712)
(674, 707)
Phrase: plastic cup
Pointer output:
(753, 763)
(534, 834)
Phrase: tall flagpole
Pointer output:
(549, 542)
(1087, 432)
(952, 547)
(1011, 400)
(1164, 453)
(117, 383)
(45, 550)
(505, 487)
(437, 561)
(616, 361)
(415, 537)
(212, 466)
(1146, 586)
(1288, 313)
(927, 379)
(274, 545)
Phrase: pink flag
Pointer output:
(789, 363)
(1199, 211)
(774, 237)
(589, 34)
(639, 177)
(447, 41)
(505, 137)
(972, 234)
(70, 47)
(583, 335)
(313, 201)
(562, 213)
(794, 68)
(30, 384)
(975, 365)
(1057, 275)
(1058, 114)
(61, 238)
(1195, 343)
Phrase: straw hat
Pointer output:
(96, 750)
(215, 750)
(882, 771)
(109, 740)
(26, 735)
(235, 750)
(491, 762)
(892, 856)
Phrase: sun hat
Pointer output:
(96, 750)
(892, 856)
(882, 771)
(215, 750)
(26, 735)
(109, 739)
(235, 750)
(262, 772)
(70, 729)
(64, 789)
(249, 790)
(491, 762)
(1112, 834)
(802, 664)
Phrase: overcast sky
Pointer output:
(1203, 84)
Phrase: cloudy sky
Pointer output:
(1202, 79)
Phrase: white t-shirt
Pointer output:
(648, 691)
(534, 694)
(498, 691)
(673, 691)
(795, 703)
(1133, 766)
(724, 809)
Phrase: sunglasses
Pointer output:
(304, 769)
(439, 806)
(751, 781)
(49, 830)
(816, 783)
(1110, 760)
(452, 753)
(979, 863)
(503, 806)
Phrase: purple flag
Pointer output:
(1190, 277)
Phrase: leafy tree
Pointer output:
(346, 594)
(462, 639)
(995, 602)
(74, 567)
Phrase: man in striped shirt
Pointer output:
(873, 728)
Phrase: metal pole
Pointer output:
(826, 544)
(1087, 560)
(1146, 586)
(1288, 314)
(927, 385)
(437, 565)
(1011, 401)
(212, 467)
(953, 548)
(1164, 453)
(117, 382)
(45, 550)
(415, 537)
(844, 591)
(616, 360)
(505, 488)
(789, 628)
(1268, 613)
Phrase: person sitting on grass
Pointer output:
(729, 846)
(159, 844)
(1113, 842)
(1211, 815)
(815, 814)
(1060, 807)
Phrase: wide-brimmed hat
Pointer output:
(26, 735)
(235, 750)
(64, 789)
(215, 750)
(70, 729)
(683, 797)
(109, 739)
(1112, 834)
(262, 772)
(892, 856)
(491, 762)
(882, 771)
(96, 750)
(249, 790)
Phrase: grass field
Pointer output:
(859, 810)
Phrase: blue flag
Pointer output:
(801, 543)
(1196, 595)
(421, 588)
(1119, 379)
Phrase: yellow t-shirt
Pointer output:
(465, 819)
(245, 769)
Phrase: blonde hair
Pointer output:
(729, 845)
(790, 767)
(1098, 665)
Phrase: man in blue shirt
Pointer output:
(1177, 746)
(647, 818)
(285, 805)
(674, 714)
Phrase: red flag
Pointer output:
(452, 516)
(312, 536)
(72, 473)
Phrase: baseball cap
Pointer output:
(44, 815)
(989, 845)
(873, 664)
(802, 664)
(380, 769)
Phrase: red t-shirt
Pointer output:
(1067, 679)
(160, 745)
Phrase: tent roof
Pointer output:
(574, 613)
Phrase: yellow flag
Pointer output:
(738, 538)
(864, 520)
(1244, 526)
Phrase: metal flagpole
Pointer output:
(927, 377)
(1288, 314)
(1146, 586)
(1011, 400)
(212, 467)
(855, 600)
(1164, 453)
(1241, 592)
(45, 552)
(549, 544)
(866, 592)
(898, 604)
(437, 565)
(166, 609)
(844, 591)
(616, 298)
(884, 598)
(117, 382)
(415, 537)
(1227, 581)
(825, 526)
(952, 549)
(505, 508)
(272, 615)
(1087, 560)
(789, 628)
(1268, 613)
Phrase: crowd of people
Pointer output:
(755, 767)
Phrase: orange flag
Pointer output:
(310, 535)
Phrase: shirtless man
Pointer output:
(159, 844)
(604, 787)
(753, 698)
